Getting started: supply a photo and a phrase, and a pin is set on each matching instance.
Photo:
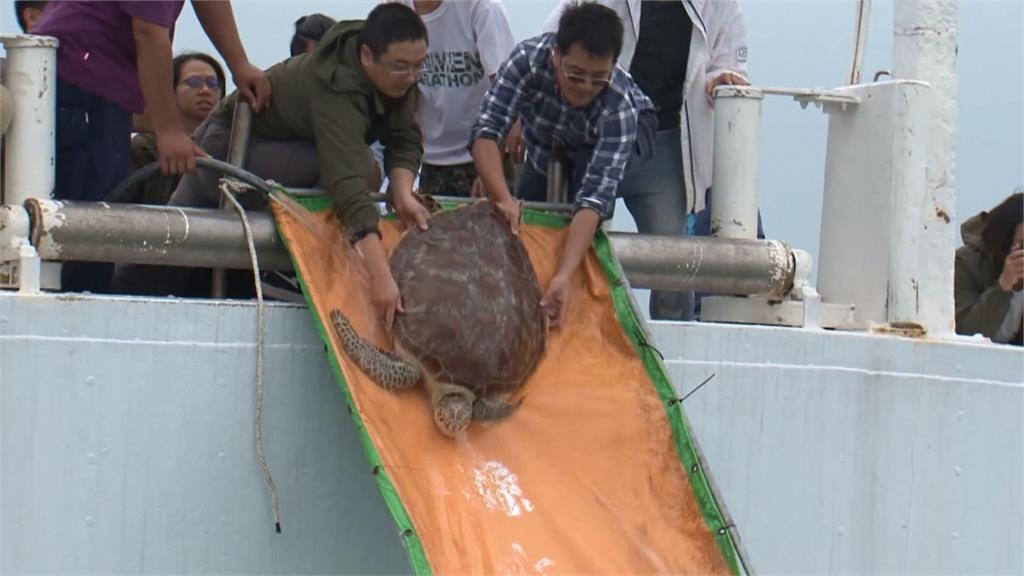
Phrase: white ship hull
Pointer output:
(126, 445)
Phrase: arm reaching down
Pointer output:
(176, 151)
(487, 158)
(498, 114)
(218, 21)
(384, 294)
(403, 152)
(408, 208)
(577, 242)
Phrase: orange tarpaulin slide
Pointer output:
(596, 472)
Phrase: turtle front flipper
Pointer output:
(386, 369)
(494, 408)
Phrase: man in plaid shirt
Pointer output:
(566, 88)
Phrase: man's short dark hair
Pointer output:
(19, 11)
(309, 27)
(181, 59)
(598, 28)
(389, 23)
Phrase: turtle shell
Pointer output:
(472, 300)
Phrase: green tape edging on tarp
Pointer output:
(407, 531)
(628, 318)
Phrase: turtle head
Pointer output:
(452, 414)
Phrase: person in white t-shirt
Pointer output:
(469, 39)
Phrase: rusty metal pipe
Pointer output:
(136, 234)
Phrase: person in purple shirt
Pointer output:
(115, 59)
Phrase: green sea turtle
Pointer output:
(473, 330)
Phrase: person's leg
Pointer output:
(197, 189)
(291, 163)
(702, 227)
(73, 166)
(94, 138)
(654, 193)
(151, 280)
(511, 171)
(455, 180)
(702, 221)
(531, 185)
(110, 147)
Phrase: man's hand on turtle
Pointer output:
(410, 211)
(556, 300)
(511, 209)
(386, 299)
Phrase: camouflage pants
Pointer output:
(455, 180)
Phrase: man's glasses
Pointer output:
(414, 71)
(581, 79)
(197, 83)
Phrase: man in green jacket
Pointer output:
(328, 107)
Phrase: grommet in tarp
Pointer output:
(642, 340)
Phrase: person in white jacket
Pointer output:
(677, 52)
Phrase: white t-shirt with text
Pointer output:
(469, 39)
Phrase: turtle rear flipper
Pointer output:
(386, 369)
(494, 408)
(433, 205)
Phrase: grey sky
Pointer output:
(795, 43)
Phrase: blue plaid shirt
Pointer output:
(526, 86)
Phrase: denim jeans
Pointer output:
(700, 225)
(93, 156)
(653, 191)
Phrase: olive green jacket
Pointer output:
(325, 96)
(981, 305)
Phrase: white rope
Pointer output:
(226, 187)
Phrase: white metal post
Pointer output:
(31, 75)
(737, 161)
(925, 48)
(874, 175)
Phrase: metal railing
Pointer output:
(211, 238)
